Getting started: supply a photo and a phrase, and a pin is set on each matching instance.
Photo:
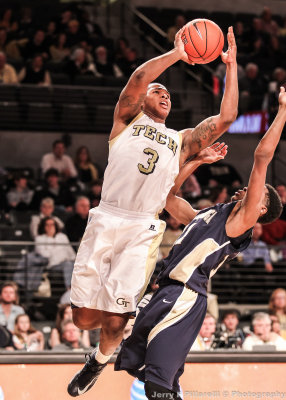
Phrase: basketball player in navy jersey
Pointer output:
(118, 252)
(166, 328)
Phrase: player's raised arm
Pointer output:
(256, 201)
(209, 130)
(133, 94)
(178, 207)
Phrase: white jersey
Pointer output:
(142, 166)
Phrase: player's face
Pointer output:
(240, 194)
(157, 102)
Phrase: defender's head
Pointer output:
(157, 102)
(271, 205)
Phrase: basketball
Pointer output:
(203, 40)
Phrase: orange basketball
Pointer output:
(203, 40)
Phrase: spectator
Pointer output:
(191, 187)
(180, 21)
(3, 40)
(58, 191)
(275, 325)
(25, 336)
(121, 48)
(87, 171)
(25, 22)
(252, 89)
(274, 233)
(281, 189)
(36, 46)
(95, 193)
(59, 160)
(20, 196)
(220, 173)
(241, 38)
(65, 314)
(8, 22)
(277, 307)
(66, 17)
(59, 50)
(261, 323)
(51, 33)
(55, 246)
(229, 335)
(7, 72)
(104, 67)
(35, 72)
(268, 24)
(70, 338)
(171, 234)
(47, 208)
(129, 62)
(259, 40)
(205, 338)
(218, 195)
(74, 36)
(9, 305)
(76, 224)
(204, 203)
(79, 64)
(257, 250)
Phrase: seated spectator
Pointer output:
(87, 171)
(3, 40)
(95, 193)
(26, 22)
(229, 335)
(55, 246)
(20, 196)
(36, 46)
(274, 233)
(51, 33)
(9, 305)
(257, 250)
(25, 336)
(205, 338)
(180, 21)
(74, 34)
(241, 38)
(59, 160)
(220, 173)
(35, 72)
(218, 194)
(70, 338)
(268, 24)
(259, 41)
(76, 224)
(66, 16)
(281, 189)
(7, 72)
(8, 22)
(47, 208)
(63, 198)
(79, 64)
(129, 62)
(277, 307)
(104, 67)
(261, 323)
(275, 325)
(65, 314)
(252, 89)
(59, 50)
(204, 203)
(121, 48)
(171, 234)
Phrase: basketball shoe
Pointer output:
(86, 378)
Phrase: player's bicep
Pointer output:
(203, 135)
(180, 209)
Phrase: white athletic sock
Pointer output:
(102, 358)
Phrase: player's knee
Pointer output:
(80, 320)
(114, 325)
(154, 391)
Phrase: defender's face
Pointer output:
(240, 194)
(157, 102)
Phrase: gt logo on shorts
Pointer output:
(122, 302)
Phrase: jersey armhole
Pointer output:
(112, 141)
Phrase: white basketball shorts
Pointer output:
(116, 259)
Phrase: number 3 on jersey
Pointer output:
(151, 161)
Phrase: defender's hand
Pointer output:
(229, 57)
(214, 153)
(282, 96)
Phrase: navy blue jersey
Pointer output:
(202, 248)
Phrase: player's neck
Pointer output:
(155, 117)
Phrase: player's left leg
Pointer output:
(112, 327)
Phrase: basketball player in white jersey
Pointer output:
(119, 249)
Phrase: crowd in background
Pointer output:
(58, 199)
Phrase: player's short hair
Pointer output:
(274, 206)
(154, 84)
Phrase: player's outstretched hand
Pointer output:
(213, 153)
(229, 57)
(282, 96)
(179, 46)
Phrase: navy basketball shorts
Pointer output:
(162, 336)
